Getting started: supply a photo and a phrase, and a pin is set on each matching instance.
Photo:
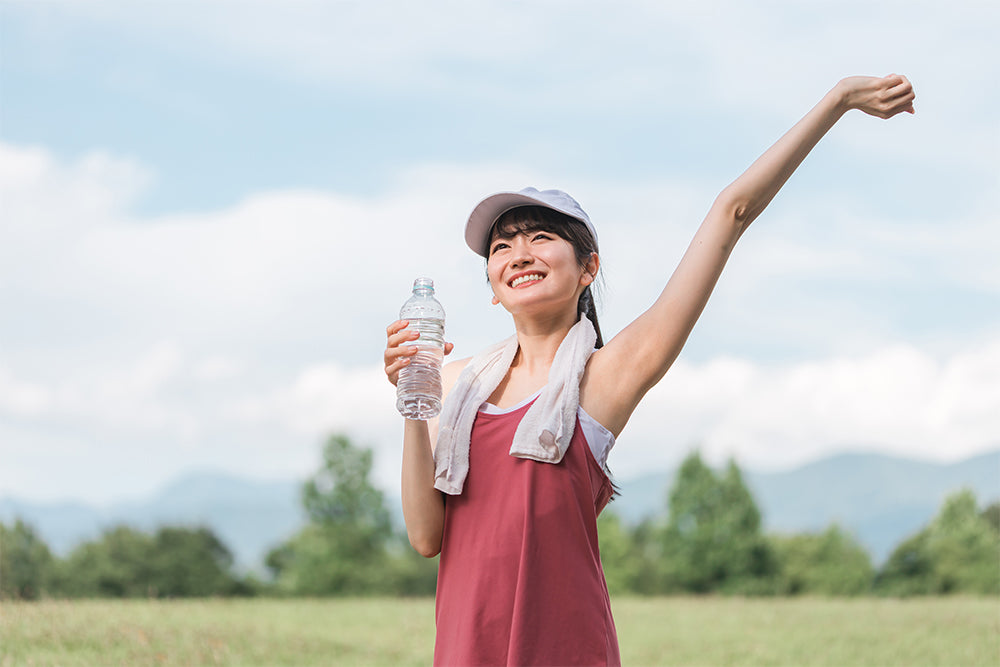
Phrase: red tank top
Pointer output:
(520, 579)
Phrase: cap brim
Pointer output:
(487, 211)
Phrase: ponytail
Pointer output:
(585, 306)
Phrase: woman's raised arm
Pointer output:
(621, 373)
(884, 97)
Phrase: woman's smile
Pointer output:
(525, 278)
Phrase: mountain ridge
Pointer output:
(881, 499)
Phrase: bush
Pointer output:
(959, 552)
(829, 563)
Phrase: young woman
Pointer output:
(507, 484)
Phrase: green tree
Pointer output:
(959, 551)
(620, 556)
(408, 572)
(713, 539)
(26, 564)
(125, 562)
(118, 564)
(191, 562)
(992, 515)
(343, 550)
(828, 563)
(340, 493)
(648, 574)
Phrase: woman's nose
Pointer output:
(521, 258)
(520, 255)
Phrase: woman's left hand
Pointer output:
(883, 97)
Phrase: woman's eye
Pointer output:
(498, 246)
(543, 237)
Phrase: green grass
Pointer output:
(652, 631)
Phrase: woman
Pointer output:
(511, 501)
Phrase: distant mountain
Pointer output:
(250, 517)
(880, 499)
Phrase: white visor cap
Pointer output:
(489, 210)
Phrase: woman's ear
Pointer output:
(590, 269)
(496, 301)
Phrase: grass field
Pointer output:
(652, 631)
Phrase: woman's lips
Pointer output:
(525, 278)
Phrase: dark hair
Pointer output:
(526, 219)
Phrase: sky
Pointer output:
(210, 211)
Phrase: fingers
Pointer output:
(883, 97)
(900, 99)
(899, 86)
(393, 369)
(397, 333)
(396, 354)
(396, 327)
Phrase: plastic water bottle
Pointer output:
(418, 390)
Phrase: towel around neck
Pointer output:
(545, 431)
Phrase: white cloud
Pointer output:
(239, 338)
(21, 399)
(321, 399)
(125, 395)
(596, 53)
(897, 399)
(329, 271)
(40, 191)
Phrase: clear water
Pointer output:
(418, 390)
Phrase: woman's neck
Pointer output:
(538, 341)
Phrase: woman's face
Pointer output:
(535, 271)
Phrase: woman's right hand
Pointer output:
(397, 352)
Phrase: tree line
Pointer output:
(709, 540)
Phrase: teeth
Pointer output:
(524, 279)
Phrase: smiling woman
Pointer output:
(539, 227)
(508, 483)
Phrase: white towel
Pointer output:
(545, 430)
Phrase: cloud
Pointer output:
(636, 50)
(896, 399)
(21, 399)
(328, 270)
(239, 338)
(44, 194)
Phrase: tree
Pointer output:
(125, 562)
(713, 539)
(828, 563)
(620, 555)
(992, 515)
(118, 564)
(343, 550)
(25, 562)
(958, 552)
(191, 562)
(340, 493)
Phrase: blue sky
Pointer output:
(210, 211)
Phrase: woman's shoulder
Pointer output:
(450, 372)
